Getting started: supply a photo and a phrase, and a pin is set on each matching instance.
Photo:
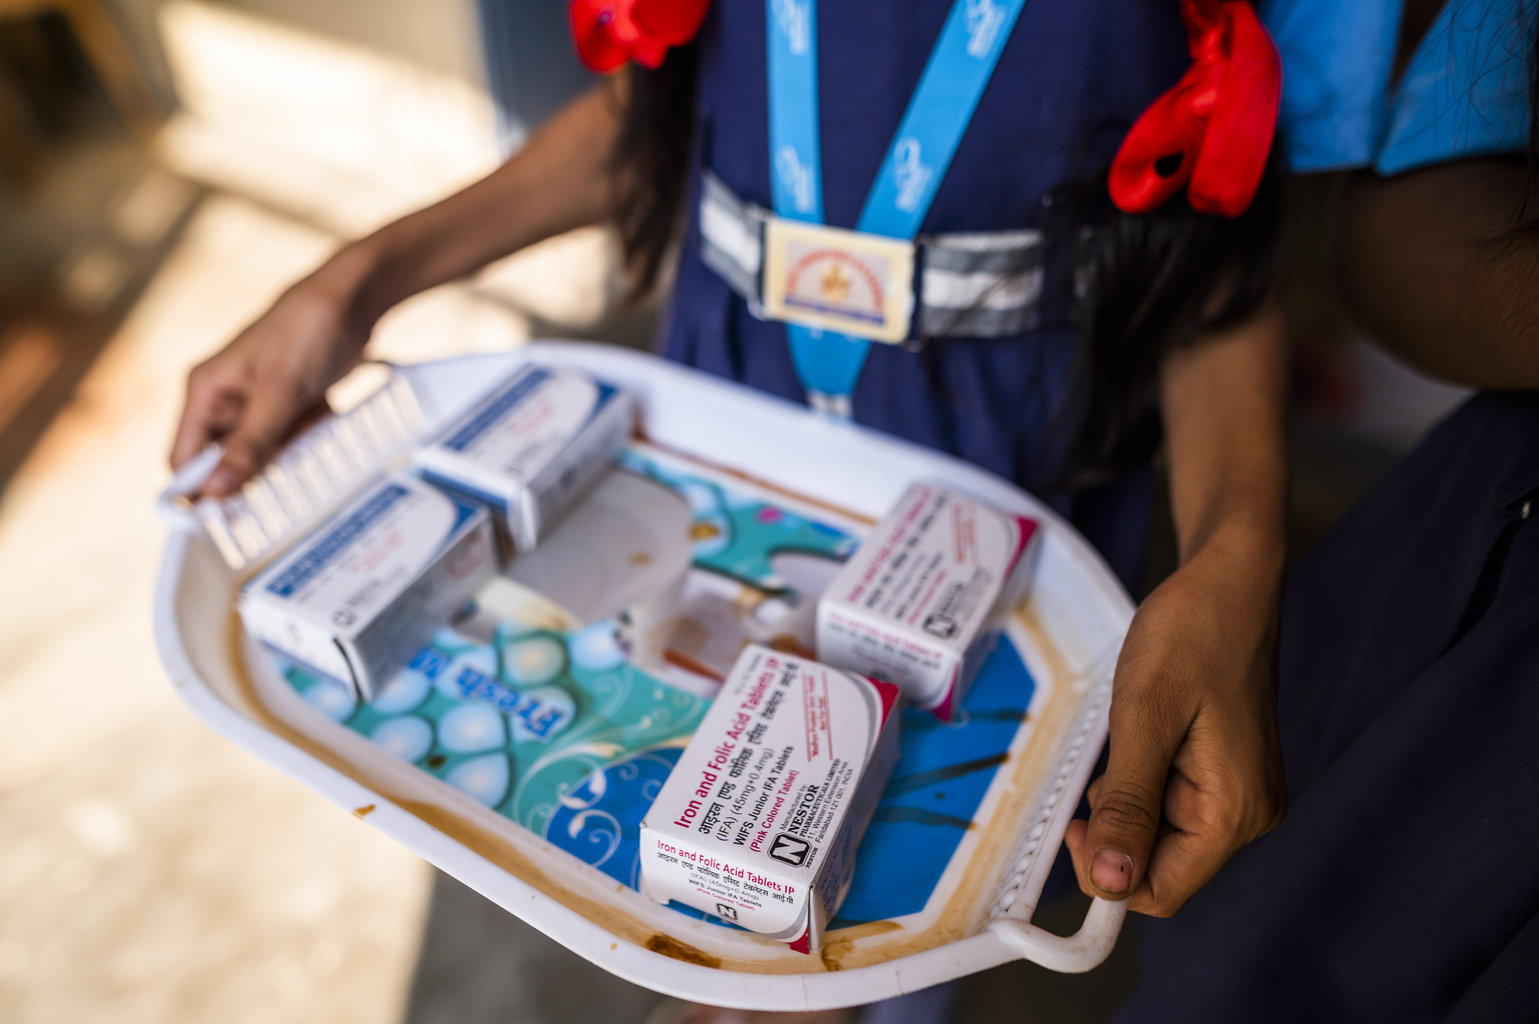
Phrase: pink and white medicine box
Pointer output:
(759, 821)
(918, 603)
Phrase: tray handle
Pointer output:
(1013, 904)
(1069, 954)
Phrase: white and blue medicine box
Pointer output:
(368, 587)
(531, 447)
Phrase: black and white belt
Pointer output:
(973, 284)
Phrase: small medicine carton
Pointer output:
(368, 587)
(918, 602)
(531, 447)
(759, 821)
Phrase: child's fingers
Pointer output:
(1180, 864)
(193, 434)
(1125, 816)
(266, 422)
(209, 411)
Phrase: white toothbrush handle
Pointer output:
(173, 504)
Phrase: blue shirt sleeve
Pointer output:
(1337, 56)
(1465, 91)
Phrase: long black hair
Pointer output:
(1152, 282)
(649, 165)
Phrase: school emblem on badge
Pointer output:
(835, 285)
(847, 281)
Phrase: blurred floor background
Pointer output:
(166, 168)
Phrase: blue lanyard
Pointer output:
(959, 68)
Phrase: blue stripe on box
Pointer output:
(463, 510)
(458, 489)
(326, 550)
(516, 390)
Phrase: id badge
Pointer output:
(846, 281)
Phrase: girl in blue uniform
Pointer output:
(1404, 885)
(1039, 331)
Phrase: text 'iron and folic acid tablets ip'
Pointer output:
(919, 603)
(759, 821)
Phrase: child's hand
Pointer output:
(258, 388)
(254, 393)
(1194, 771)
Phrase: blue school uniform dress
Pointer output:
(1052, 112)
(1404, 884)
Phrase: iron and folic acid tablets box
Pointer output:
(759, 821)
(359, 596)
(918, 603)
(531, 447)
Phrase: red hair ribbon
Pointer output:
(1212, 131)
(611, 32)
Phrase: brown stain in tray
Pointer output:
(678, 659)
(785, 643)
(838, 945)
(1026, 617)
(688, 631)
(672, 947)
(857, 946)
(363, 812)
(640, 558)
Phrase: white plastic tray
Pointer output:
(1067, 633)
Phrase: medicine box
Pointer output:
(366, 589)
(918, 603)
(531, 447)
(759, 820)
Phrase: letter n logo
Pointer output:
(790, 849)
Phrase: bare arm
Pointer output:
(557, 182)
(1194, 771)
(251, 394)
(1430, 265)
(1223, 406)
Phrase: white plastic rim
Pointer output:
(1080, 603)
